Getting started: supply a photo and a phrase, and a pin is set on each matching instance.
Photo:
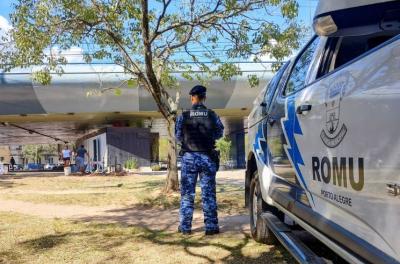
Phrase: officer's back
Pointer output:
(197, 129)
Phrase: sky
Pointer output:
(307, 8)
(5, 7)
(306, 12)
(306, 5)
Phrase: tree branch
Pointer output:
(117, 40)
(160, 18)
(148, 57)
(193, 21)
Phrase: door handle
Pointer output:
(303, 108)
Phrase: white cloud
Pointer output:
(73, 55)
(5, 26)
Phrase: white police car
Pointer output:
(325, 139)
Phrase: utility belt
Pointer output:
(213, 154)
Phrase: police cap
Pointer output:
(198, 90)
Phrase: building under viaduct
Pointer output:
(113, 128)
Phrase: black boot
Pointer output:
(184, 232)
(212, 232)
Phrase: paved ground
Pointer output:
(150, 218)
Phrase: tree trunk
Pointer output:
(172, 183)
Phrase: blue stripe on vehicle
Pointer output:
(292, 127)
(260, 145)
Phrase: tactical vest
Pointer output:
(198, 128)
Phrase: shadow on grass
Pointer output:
(167, 220)
(190, 245)
(46, 242)
(227, 195)
(153, 228)
(25, 175)
(119, 240)
(4, 184)
(196, 247)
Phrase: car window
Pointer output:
(354, 46)
(273, 84)
(298, 75)
(350, 47)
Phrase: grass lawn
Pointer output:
(105, 191)
(27, 239)
(32, 239)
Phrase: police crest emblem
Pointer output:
(334, 130)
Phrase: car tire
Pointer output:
(259, 230)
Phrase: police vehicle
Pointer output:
(324, 139)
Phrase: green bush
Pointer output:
(131, 164)
(155, 167)
(224, 146)
(163, 149)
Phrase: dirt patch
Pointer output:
(49, 210)
(155, 212)
(149, 218)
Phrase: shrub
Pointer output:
(131, 164)
(155, 167)
(224, 146)
(163, 149)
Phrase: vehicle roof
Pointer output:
(356, 17)
(328, 6)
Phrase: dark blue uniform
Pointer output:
(197, 130)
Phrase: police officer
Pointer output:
(196, 130)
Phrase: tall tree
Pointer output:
(151, 39)
(34, 152)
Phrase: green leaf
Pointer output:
(227, 70)
(253, 80)
(43, 77)
(87, 58)
(118, 91)
(224, 146)
(187, 76)
(230, 4)
(290, 9)
(132, 83)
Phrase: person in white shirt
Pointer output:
(66, 156)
